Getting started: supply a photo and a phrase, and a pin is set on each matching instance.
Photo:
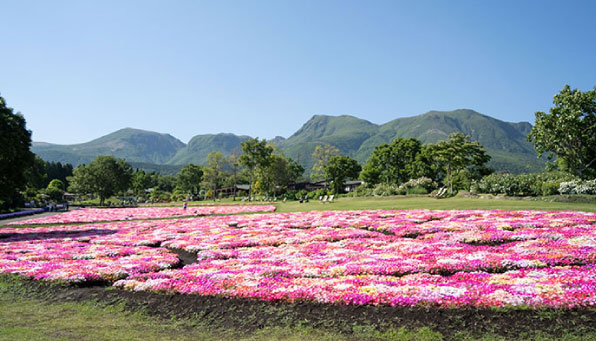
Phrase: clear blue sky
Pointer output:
(81, 69)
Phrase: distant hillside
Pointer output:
(134, 145)
(201, 145)
(161, 169)
(504, 141)
(347, 133)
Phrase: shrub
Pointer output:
(290, 194)
(158, 195)
(319, 193)
(552, 180)
(362, 191)
(578, 187)
(532, 184)
(550, 188)
(300, 194)
(497, 184)
(462, 180)
(385, 190)
(55, 194)
(417, 190)
(425, 183)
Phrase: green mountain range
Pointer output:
(505, 142)
(200, 146)
(134, 145)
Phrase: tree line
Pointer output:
(566, 135)
(260, 164)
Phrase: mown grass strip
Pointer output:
(425, 202)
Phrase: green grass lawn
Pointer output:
(413, 202)
(403, 202)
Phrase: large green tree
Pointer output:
(42, 172)
(189, 179)
(394, 163)
(458, 153)
(104, 176)
(55, 190)
(57, 170)
(37, 177)
(214, 172)
(255, 154)
(321, 156)
(339, 169)
(280, 172)
(15, 156)
(234, 168)
(569, 131)
(141, 181)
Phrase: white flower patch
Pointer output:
(510, 263)
(583, 241)
(450, 291)
(150, 284)
(342, 286)
(449, 261)
(508, 298)
(477, 255)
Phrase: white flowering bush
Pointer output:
(422, 182)
(532, 184)
(385, 190)
(578, 187)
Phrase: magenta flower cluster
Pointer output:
(398, 258)
(111, 214)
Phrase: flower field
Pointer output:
(395, 258)
(199, 204)
(111, 214)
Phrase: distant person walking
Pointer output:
(184, 205)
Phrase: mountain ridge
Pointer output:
(504, 141)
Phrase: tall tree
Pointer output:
(458, 153)
(57, 170)
(214, 171)
(339, 169)
(397, 162)
(104, 176)
(165, 182)
(255, 154)
(569, 130)
(15, 156)
(189, 179)
(36, 174)
(430, 167)
(55, 190)
(234, 165)
(42, 172)
(321, 155)
(280, 172)
(141, 181)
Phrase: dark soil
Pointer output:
(185, 257)
(250, 315)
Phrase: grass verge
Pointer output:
(416, 202)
